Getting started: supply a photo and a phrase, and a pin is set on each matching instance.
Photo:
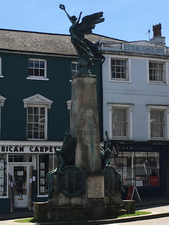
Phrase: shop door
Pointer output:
(21, 185)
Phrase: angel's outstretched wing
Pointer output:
(88, 23)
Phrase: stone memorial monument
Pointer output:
(84, 186)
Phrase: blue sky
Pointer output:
(127, 20)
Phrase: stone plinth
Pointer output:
(95, 196)
(95, 186)
(84, 124)
(46, 212)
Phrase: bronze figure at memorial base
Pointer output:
(66, 157)
(81, 45)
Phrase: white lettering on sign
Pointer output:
(144, 49)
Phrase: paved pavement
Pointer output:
(157, 207)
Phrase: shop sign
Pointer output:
(113, 150)
(136, 148)
(144, 49)
(154, 180)
(133, 194)
(27, 149)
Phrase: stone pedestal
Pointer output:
(95, 196)
(84, 124)
(95, 186)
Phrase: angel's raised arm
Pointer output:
(79, 17)
(64, 9)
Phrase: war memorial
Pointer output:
(84, 186)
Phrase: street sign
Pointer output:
(113, 150)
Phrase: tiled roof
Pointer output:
(42, 42)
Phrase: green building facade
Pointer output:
(35, 94)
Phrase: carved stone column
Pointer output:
(84, 123)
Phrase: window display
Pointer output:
(46, 163)
(43, 165)
(3, 176)
(138, 168)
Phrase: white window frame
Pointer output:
(128, 69)
(38, 101)
(74, 72)
(166, 122)
(45, 122)
(38, 77)
(165, 71)
(1, 76)
(129, 108)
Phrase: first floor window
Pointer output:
(157, 123)
(37, 68)
(36, 122)
(119, 69)
(156, 71)
(37, 109)
(119, 122)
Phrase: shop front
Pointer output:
(23, 169)
(142, 165)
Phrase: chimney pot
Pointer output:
(157, 30)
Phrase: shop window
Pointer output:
(128, 169)
(120, 121)
(46, 163)
(20, 158)
(37, 69)
(138, 169)
(142, 170)
(74, 69)
(156, 71)
(3, 175)
(153, 164)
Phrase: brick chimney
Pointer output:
(157, 38)
(157, 30)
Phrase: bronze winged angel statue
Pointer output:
(77, 32)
